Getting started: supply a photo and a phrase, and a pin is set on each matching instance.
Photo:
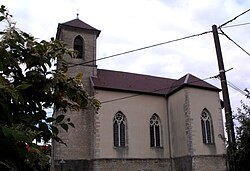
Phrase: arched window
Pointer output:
(155, 131)
(119, 129)
(79, 46)
(206, 127)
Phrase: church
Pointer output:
(145, 123)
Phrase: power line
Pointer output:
(235, 43)
(171, 41)
(158, 44)
(233, 86)
(237, 25)
(164, 88)
(143, 48)
(237, 88)
(222, 25)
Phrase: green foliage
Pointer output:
(29, 84)
(243, 137)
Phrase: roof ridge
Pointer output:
(186, 79)
(138, 74)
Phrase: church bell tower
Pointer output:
(78, 153)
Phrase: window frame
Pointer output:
(207, 127)
(78, 45)
(155, 131)
(119, 130)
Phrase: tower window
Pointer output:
(206, 127)
(119, 130)
(155, 131)
(79, 46)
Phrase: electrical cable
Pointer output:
(174, 40)
(222, 25)
(234, 87)
(235, 43)
(237, 88)
(236, 25)
(146, 47)
(158, 44)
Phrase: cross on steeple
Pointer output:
(77, 14)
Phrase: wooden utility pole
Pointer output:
(227, 106)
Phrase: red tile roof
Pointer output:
(191, 81)
(124, 81)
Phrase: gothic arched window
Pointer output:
(155, 131)
(79, 46)
(119, 129)
(206, 127)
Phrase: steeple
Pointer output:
(81, 37)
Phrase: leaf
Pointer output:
(54, 130)
(2, 86)
(64, 126)
(6, 131)
(79, 76)
(2, 9)
(23, 86)
(71, 124)
(15, 95)
(60, 118)
(56, 138)
(21, 136)
(50, 119)
(2, 18)
(18, 135)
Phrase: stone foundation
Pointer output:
(207, 163)
(200, 163)
(73, 165)
(185, 163)
(131, 165)
(182, 163)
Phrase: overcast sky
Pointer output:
(131, 24)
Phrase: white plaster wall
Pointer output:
(176, 105)
(200, 99)
(138, 111)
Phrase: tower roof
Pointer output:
(77, 23)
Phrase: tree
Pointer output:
(243, 137)
(30, 84)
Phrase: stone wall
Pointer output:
(73, 165)
(131, 165)
(79, 140)
(185, 163)
(207, 163)
(182, 163)
(200, 163)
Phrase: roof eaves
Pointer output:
(192, 86)
(127, 90)
(75, 27)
